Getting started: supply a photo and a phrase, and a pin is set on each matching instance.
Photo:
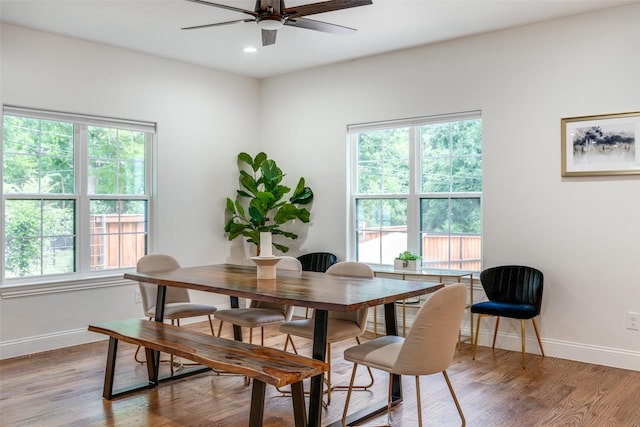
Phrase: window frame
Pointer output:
(415, 195)
(83, 277)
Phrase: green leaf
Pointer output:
(288, 212)
(256, 215)
(234, 229)
(281, 248)
(302, 195)
(249, 183)
(257, 162)
(244, 157)
(279, 191)
(240, 210)
(271, 175)
(231, 206)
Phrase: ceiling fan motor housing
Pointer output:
(270, 22)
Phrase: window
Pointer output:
(417, 185)
(75, 194)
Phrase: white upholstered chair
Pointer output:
(340, 326)
(177, 305)
(428, 348)
(260, 313)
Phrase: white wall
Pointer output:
(583, 233)
(205, 117)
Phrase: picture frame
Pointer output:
(604, 144)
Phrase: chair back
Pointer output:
(149, 291)
(317, 261)
(289, 263)
(515, 284)
(351, 269)
(431, 343)
(286, 263)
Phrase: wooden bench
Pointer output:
(265, 365)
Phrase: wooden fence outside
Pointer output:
(439, 251)
(117, 241)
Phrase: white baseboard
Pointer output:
(56, 340)
(598, 355)
(37, 344)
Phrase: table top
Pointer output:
(308, 289)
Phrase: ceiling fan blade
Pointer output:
(321, 7)
(195, 27)
(269, 37)
(224, 6)
(325, 27)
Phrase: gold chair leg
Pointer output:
(475, 341)
(250, 335)
(419, 401)
(495, 333)
(135, 356)
(359, 387)
(535, 328)
(455, 399)
(389, 394)
(211, 325)
(346, 403)
(290, 340)
(524, 366)
(220, 328)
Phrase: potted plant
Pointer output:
(260, 204)
(407, 261)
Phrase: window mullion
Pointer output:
(82, 213)
(413, 202)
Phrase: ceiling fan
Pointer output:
(271, 15)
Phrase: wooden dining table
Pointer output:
(319, 291)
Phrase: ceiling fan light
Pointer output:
(270, 23)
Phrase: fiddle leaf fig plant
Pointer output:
(260, 204)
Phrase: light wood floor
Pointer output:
(64, 388)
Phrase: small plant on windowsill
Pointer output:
(407, 261)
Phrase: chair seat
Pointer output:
(179, 310)
(337, 329)
(250, 317)
(503, 309)
(380, 353)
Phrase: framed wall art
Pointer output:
(601, 145)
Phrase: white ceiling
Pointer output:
(153, 26)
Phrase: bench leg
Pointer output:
(299, 410)
(107, 390)
(152, 366)
(257, 403)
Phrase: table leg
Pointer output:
(155, 355)
(319, 353)
(237, 330)
(392, 329)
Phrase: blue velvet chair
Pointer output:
(514, 291)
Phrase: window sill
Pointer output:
(53, 287)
